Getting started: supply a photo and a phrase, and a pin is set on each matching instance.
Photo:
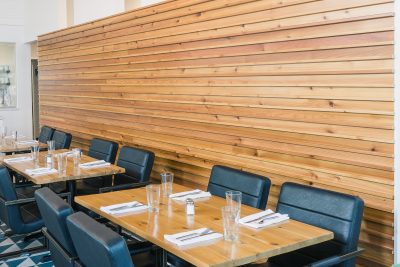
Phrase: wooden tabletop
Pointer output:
(9, 146)
(253, 244)
(72, 173)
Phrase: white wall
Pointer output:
(43, 16)
(88, 10)
(12, 31)
(132, 4)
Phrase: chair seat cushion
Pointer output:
(26, 191)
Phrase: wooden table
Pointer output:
(72, 173)
(11, 147)
(253, 244)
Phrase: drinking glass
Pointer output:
(35, 152)
(51, 147)
(76, 153)
(153, 197)
(62, 160)
(234, 200)
(167, 179)
(231, 223)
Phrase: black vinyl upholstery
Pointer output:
(337, 212)
(138, 164)
(102, 150)
(20, 218)
(54, 211)
(62, 140)
(254, 188)
(96, 244)
(46, 134)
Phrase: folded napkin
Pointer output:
(94, 164)
(124, 208)
(40, 171)
(27, 142)
(194, 194)
(17, 159)
(193, 237)
(263, 218)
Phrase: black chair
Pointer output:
(62, 140)
(46, 134)
(21, 215)
(54, 211)
(98, 245)
(337, 212)
(137, 163)
(102, 150)
(254, 188)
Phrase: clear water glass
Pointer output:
(167, 180)
(234, 200)
(3, 133)
(51, 147)
(153, 197)
(231, 223)
(35, 152)
(14, 135)
(62, 161)
(76, 155)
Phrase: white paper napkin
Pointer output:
(17, 159)
(192, 237)
(40, 171)
(194, 194)
(263, 218)
(94, 164)
(124, 208)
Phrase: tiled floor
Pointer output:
(16, 243)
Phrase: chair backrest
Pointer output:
(54, 211)
(254, 188)
(337, 212)
(10, 215)
(103, 150)
(96, 244)
(62, 140)
(137, 163)
(46, 134)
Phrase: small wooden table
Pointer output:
(72, 173)
(12, 147)
(253, 244)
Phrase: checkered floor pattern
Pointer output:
(17, 243)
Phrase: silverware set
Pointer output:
(195, 235)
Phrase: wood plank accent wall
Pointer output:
(297, 90)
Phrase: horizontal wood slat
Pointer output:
(296, 90)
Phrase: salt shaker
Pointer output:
(189, 206)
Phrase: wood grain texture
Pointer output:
(72, 173)
(296, 90)
(253, 244)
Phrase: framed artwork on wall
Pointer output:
(8, 89)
